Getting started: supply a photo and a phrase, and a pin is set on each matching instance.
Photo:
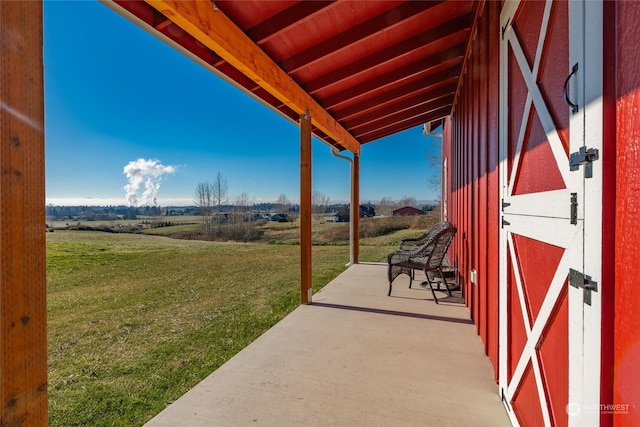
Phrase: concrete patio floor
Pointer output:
(355, 357)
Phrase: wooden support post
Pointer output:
(305, 208)
(355, 202)
(23, 327)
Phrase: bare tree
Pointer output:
(203, 199)
(241, 206)
(408, 201)
(282, 204)
(434, 158)
(434, 182)
(385, 206)
(319, 203)
(220, 189)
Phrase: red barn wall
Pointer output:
(470, 146)
(622, 133)
(470, 152)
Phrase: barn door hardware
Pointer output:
(581, 280)
(506, 25)
(585, 156)
(574, 208)
(565, 91)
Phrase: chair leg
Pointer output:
(424, 285)
(411, 277)
(435, 298)
(389, 294)
(444, 280)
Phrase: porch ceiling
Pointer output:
(364, 69)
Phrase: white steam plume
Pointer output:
(147, 172)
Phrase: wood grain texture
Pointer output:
(305, 209)
(23, 341)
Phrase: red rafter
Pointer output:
(418, 67)
(262, 32)
(391, 53)
(355, 34)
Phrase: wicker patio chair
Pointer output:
(427, 257)
(408, 244)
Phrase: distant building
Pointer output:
(407, 211)
(365, 212)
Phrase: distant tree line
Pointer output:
(109, 213)
(212, 202)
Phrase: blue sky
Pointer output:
(115, 94)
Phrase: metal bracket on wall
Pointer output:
(582, 281)
(584, 156)
(574, 208)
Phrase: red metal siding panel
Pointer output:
(608, 210)
(481, 261)
(493, 197)
(477, 87)
(627, 298)
(472, 155)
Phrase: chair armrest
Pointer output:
(398, 256)
(408, 243)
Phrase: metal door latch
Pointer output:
(581, 280)
(584, 157)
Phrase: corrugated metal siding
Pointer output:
(471, 148)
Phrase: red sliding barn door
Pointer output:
(545, 217)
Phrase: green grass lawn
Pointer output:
(134, 321)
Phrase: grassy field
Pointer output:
(136, 320)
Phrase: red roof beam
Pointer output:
(407, 124)
(264, 31)
(460, 24)
(449, 57)
(427, 105)
(356, 34)
(430, 82)
(141, 10)
(395, 108)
